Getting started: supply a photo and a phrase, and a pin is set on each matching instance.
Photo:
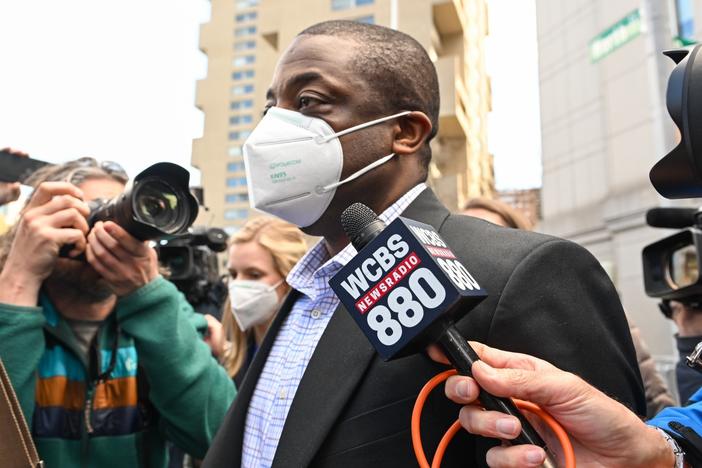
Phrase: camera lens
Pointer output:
(157, 203)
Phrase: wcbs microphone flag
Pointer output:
(401, 283)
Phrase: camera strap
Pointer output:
(16, 445)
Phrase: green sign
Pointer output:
(680, 41)
(615, 36)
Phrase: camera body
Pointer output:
(192, 262)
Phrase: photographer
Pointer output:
(103, 355)
(688, 320)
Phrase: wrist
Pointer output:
(18, 287)
(659, 451)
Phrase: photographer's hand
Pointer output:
(603, 431)
(215, 336)
(55, 216)
(124, 262)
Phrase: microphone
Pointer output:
(405, 289)
(674, 218)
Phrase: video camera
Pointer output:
(671, 266)
(191, 259)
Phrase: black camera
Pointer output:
(158, 204)
(191, 260)
(672, 265)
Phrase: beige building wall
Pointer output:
(244, 39)
(604, 124)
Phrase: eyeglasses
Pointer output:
(110, 167)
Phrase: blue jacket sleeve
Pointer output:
(690, 415)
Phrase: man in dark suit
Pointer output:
(316, 394)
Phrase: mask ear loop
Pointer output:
(320, 190)
(324, 139)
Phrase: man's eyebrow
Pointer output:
(303, 78)
(299, 80)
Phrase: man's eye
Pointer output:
(305, 101)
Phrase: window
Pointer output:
(242, 75)
(346, 4)
(242, 89)
(236, 182)
(240, 119)
(244, 31)
(243, 104)
(240, 135)
(235, 151)
(244, 60)
(236, 198)
(236, 214)
(236, 166)
(686, 20)
(244, 45)
(366, 19)
(241, 4)
(251, 15)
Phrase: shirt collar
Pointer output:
(316, 265)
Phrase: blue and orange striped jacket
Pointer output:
(95, 395)
(148, 379)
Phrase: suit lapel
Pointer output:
(337, 366)
(426, 208)
(335, 369)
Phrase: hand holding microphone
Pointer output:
(603, 431)
(405, 289)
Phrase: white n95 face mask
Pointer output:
(293, 164)
(252, 302)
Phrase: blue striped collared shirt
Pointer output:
(295, 343)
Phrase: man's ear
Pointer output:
(411, 131)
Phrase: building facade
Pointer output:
(526, 201)
(604, 125)
(244, 39)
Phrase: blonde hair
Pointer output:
(511, 216)
(287, 245)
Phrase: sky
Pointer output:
(116, 81)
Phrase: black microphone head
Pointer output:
(361, 224)
(673, 218)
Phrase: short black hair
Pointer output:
(402, 75)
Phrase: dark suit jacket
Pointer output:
(548, 297)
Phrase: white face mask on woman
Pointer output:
(252, 302)
(293, 164)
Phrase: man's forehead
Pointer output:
(101, 188)
(315, 56)
(319, 47)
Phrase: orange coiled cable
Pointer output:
(560, 433)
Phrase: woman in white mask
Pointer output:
(261, 255)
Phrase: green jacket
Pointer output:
(149, 378)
